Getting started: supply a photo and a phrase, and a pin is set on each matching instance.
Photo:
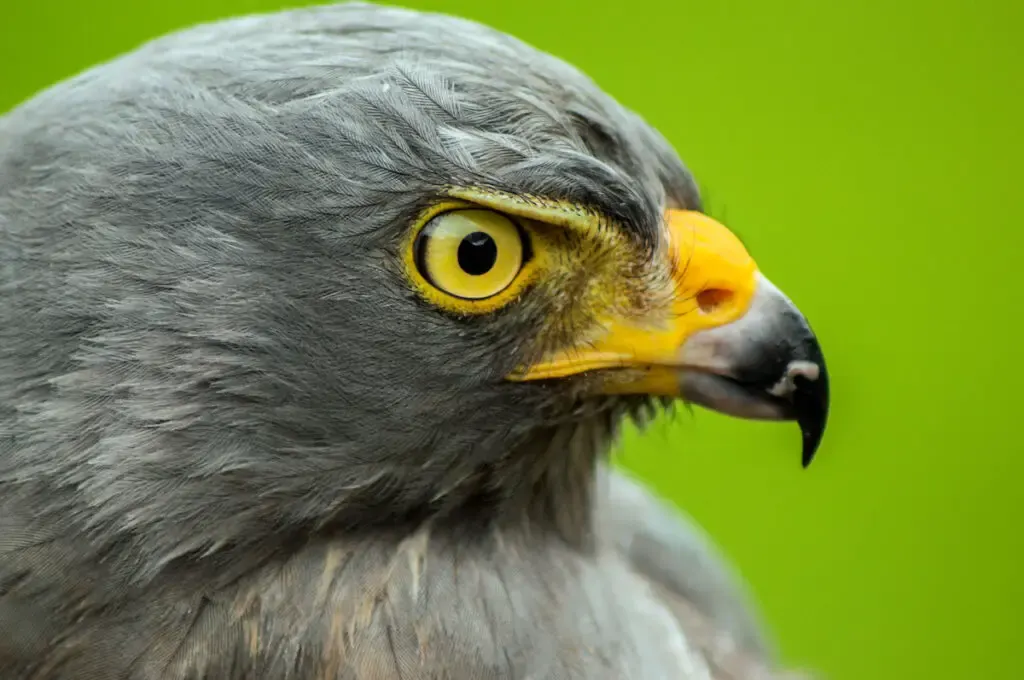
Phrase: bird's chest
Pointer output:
(415, 612)
(427, 613)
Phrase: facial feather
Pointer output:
(206, 234)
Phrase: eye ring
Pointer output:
(471, 254)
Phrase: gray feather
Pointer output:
(233, 442)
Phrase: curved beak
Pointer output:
(765, 365)
(730, 341)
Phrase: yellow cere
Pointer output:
(714, 282)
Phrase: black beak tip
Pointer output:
(811, 402)
(810, 448)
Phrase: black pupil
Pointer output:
(477, 253)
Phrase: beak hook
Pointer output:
(810, 403)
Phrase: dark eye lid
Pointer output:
(524, 238)
(419, 250)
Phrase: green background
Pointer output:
(869, 153)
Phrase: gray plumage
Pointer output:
(234, 444)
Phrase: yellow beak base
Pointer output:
(712, 283)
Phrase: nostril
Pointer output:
(712, 298)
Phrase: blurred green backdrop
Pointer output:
(869, 153)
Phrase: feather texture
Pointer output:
(234, 444)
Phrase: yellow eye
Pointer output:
(471, 254)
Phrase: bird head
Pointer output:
(682, 312)
(353, 264)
